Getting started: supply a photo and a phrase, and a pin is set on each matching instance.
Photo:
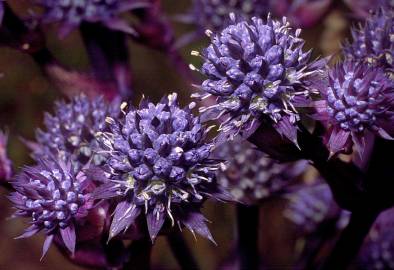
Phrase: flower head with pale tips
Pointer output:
(70, 132)
(251, 176)
(357, 100)
(54, 198)
(258, 72)
(71, 13)
(373, 42)
(159, 166)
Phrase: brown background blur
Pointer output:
(25, 93)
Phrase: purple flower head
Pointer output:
(373, 43)
(377, 251)
(301, 13)
(54, 198)
(251, 176)
(70, 132)
(356, 100)
(258, 72)
(213, 14)
(5, 162)
(71, 13)
(310, 206)
(159, 166)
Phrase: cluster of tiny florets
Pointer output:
(373, 42)
(71, 13)
(53, 197)
(311, 205)
(357, 99)
(251, 176)
(70, 132)
(377, 252)
(159, 164)
(257, 70)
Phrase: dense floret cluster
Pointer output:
(159, 164)
(258, 71)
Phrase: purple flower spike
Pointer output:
(301, 13)
(372, 43)
(258, 72)
(5, 162)
(159, 166)
(358, 99)
(71, 13)
(251, 176)
(70, 132)
(54, 198)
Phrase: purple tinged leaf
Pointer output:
(338, 140)
(47, 244)
(124, 216)
(155, 220)
(120, 25)
(195, 222)
(287, 129)
(69, 237)
(106, 191)
(32, 230)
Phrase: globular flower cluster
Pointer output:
(70, 132)
(258, 71)
(159, 165)
(357, 99)
(377, 251)
(310, 206)
(54, 198)
(71, 13)
(213, 14)
(251, 176)
(372, 42)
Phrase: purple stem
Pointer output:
(109, 57)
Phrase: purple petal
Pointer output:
(124, 216)
(155, 220)
(47, 244)
(338, 140)
(287, 129)
(383, 133)
(195, 222)
(68, 235)
(105, 191)
(95, 174)
(120, 25)
(29, 232)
